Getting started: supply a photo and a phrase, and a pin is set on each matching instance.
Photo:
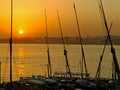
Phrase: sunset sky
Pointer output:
(29, 17)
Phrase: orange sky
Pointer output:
(29, 16)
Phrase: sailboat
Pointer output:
(115, 61)
(82, 49)
(10, 85)
(113, 83)
(68, 70)
(44, 82)
(83, 82)
(48, 51)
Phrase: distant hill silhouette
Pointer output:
(58, 40)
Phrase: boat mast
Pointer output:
(0, 72)
(68, 71)
(11, 42)
(82, 49)
(49, 62)
(101, 56)
(117, 71)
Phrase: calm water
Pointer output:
(31, 59)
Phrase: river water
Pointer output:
(31, 59)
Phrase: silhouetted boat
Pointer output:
(66, 80)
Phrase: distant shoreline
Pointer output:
(61, 43)
(67, 40)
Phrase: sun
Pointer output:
(20, 32)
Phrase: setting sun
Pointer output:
(21, 32)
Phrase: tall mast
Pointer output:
(82, 49)
(49, 62)
(101, 57)
(117, 71)
(0, 72)
(11, 42)
(68, 71)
